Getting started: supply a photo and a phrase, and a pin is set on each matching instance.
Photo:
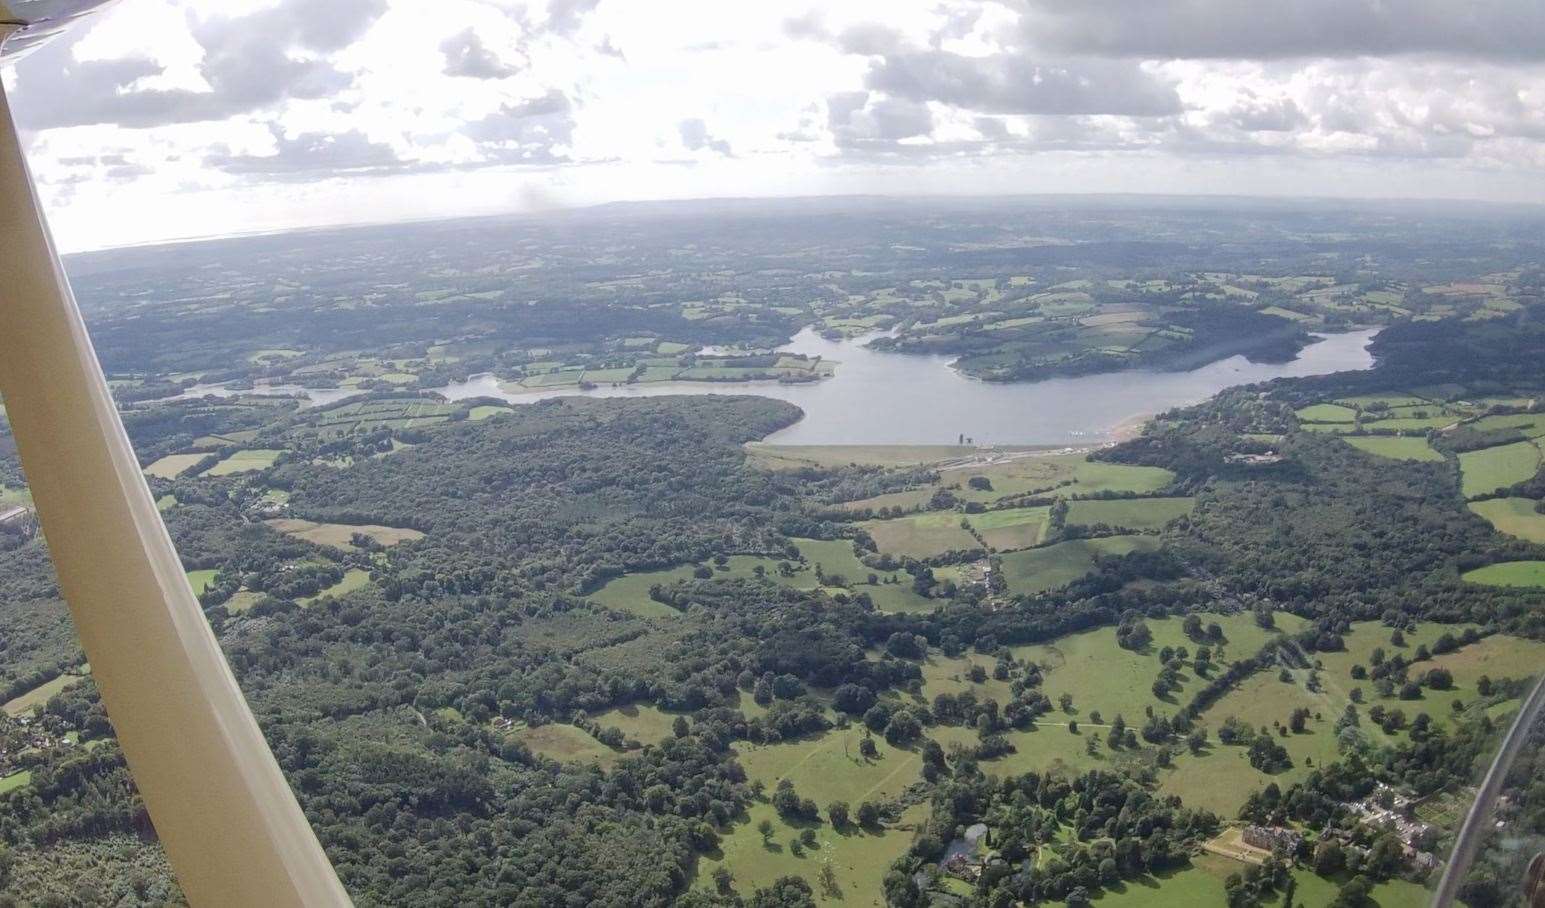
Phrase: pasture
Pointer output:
(793, 457)
(1509, 573)
(1012, 528)
(921, 535)
(566, 744)
(642, 722)
(1513, 516)
(1394, 447)
(340, 535)
(840, 572)
(1327, 413)
(244, 461)
(1490, 469)
(201, 579)
(1129, 513)
(23, 704)
(353, 579)
(824, 768)
(1038, 570)
(173, 465)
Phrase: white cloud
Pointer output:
(190, 117)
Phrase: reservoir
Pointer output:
(892, 398)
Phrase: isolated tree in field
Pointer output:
(765, 828)
(868, 814)
(837, 812)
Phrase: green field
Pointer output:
(1130, 513)
(339, 535)
(1327, 413)
(1509, 573)
(1033, 474)
(1012, 528)
(353, 579)
(242, 600)
(630, 592)
(16, 780)
(246, 461)
(825, 768)
(23, 704)
(1513, 516)
(1222, 778)
(641, 722)
(921, 535)
(172, 465)
(1496, 468)
(1037, 570)
(1202, 884)
(199, 580)
(566, 744)
(1396, 448)
(484, 411)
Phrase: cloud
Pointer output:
(534, 131)
(314, 156)
(1235, 29)
(466, 56)
(564, 17)
(248, 65)
(694, 135)
(1015, 83)
(862, 120)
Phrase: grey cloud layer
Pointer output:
(247, 64)
(1236, 29)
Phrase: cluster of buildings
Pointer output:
(1272, 838)
(1389, 808)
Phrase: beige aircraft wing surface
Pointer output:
(229, 822)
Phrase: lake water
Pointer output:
(892, 398)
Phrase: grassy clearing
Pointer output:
(1327, 413)
(339, 535)
(921, 535)
(643, 722)
(840, 572)
(1012, 528)
(1037, 570)
(1513, 516)
(353, 579)
(200, 580)
(566, 744)
(24, 704)
(16, 780)
(1509, 573)
(486, 411)
(1131, 514)
(825, 768)
(1496, 468)
(246, 461)
(242, 600)
(173, 465)
(630, 592)
(1395, 448)
(1221, 778)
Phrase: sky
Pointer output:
(166, 119)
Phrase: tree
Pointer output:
(785, 892)
(1355, 893)
(765, 828)
(723, 880)
(837, 812)
(680, 727)
(868, 814)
